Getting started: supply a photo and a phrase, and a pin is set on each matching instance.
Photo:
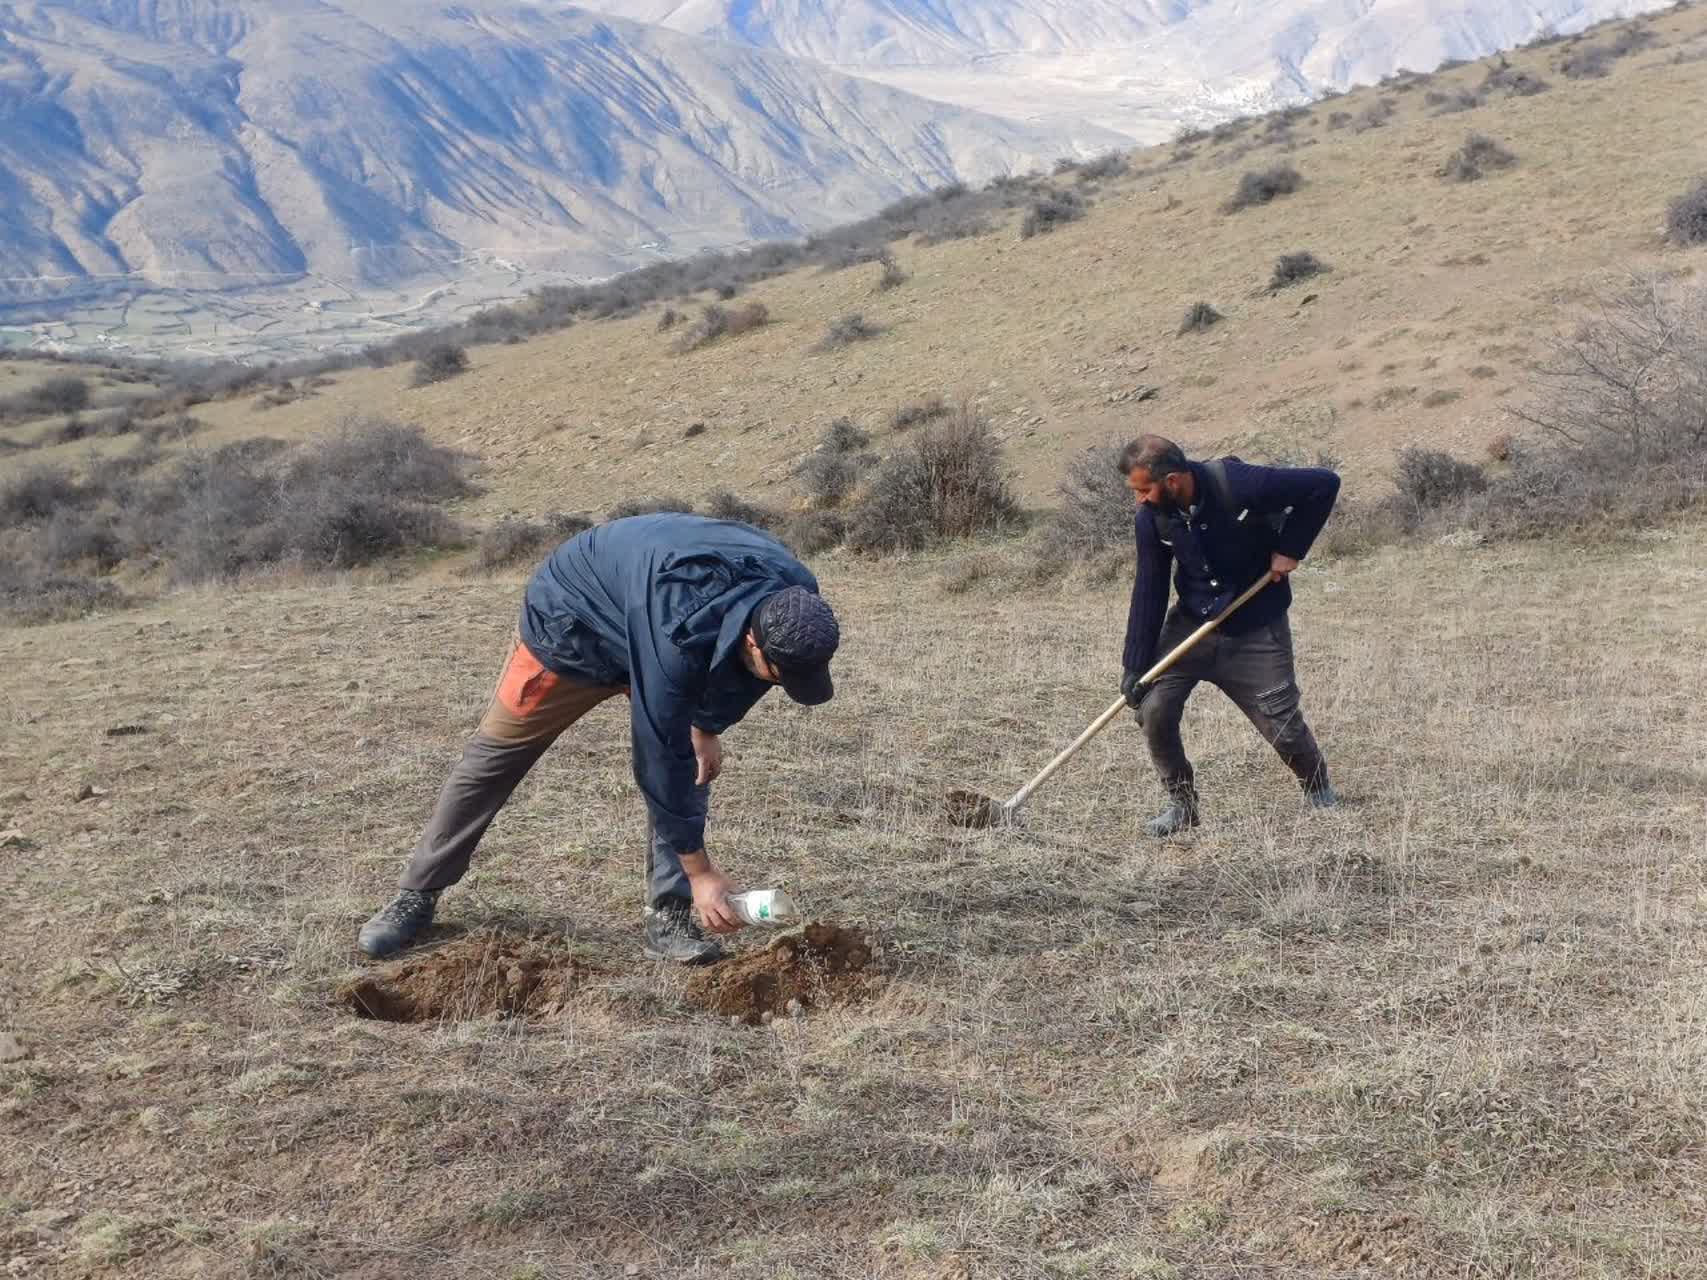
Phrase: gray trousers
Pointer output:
(1255, 669)
(529, 709)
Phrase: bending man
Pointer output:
(695, 620)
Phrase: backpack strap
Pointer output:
(1262, 529)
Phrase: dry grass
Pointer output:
(1456, 1029)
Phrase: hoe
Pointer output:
(974, 809)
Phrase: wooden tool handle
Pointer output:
(1150, 677)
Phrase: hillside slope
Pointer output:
(1439, 297)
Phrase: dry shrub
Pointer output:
(368, 491)
(833, 470)
(440, 362)
(847, 329)
(1111, 164)
(949, 483)
(893, 277)
(724, 505)
(515, 540)
(1199, 316)
(1292, 268)
(1051, 209)
(919, 411)
(647, 507)
(815, 531)
(1262, 186)
(1476, 158)
(1093, 516)
(718, 321)
(1686, 216)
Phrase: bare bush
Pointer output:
(439, 363)
(514, 540)
(364, 493)
(1261, 186)
(847, 329)
(724, 505)
(1592, 61)
(893, 277)
(813, 531)
(1376, 115)
(37, 494)
(60, 395)
(1292, 268)
(1428, 479)
(1094, 511)
(919, 411)
(1478, 156)
(1632, 379)
(717, 321)
(1050, 210)
(646, 507)
(832, 471)
(1111, 164)
(1686, 216)
(1512, 82)
(668, 319)
(1198, 317)
(950, 483)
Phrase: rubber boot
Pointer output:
(1180, 815)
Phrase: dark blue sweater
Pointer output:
(660, 603)
(1216, 554)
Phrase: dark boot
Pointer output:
(1179, 815)
(396, 924)
(1313, 778)
(673, 934)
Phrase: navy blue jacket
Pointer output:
(1216, 555)
(660, 603)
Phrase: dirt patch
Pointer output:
(971, 809)
(479, 976)
(819, 966)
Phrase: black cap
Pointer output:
(798, 634)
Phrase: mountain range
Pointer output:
(304, 154)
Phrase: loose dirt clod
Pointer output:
(473, 977)
(972, 809)
(820, 966)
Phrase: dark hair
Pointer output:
(1157, 455)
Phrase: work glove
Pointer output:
(1133, 689)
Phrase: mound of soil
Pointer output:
(820, 966)
(473, 977)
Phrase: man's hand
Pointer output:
(711, 890)
(1279, 566)
(708, 750)
(1133, 689)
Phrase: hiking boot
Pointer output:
(1180, 815)
(1322, 797)
(395, 925)
(673, 934)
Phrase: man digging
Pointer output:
(1221, 525)
(695, 620)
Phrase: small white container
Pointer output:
(771, 907)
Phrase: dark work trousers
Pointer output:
(1256, 671)
(529, 709)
